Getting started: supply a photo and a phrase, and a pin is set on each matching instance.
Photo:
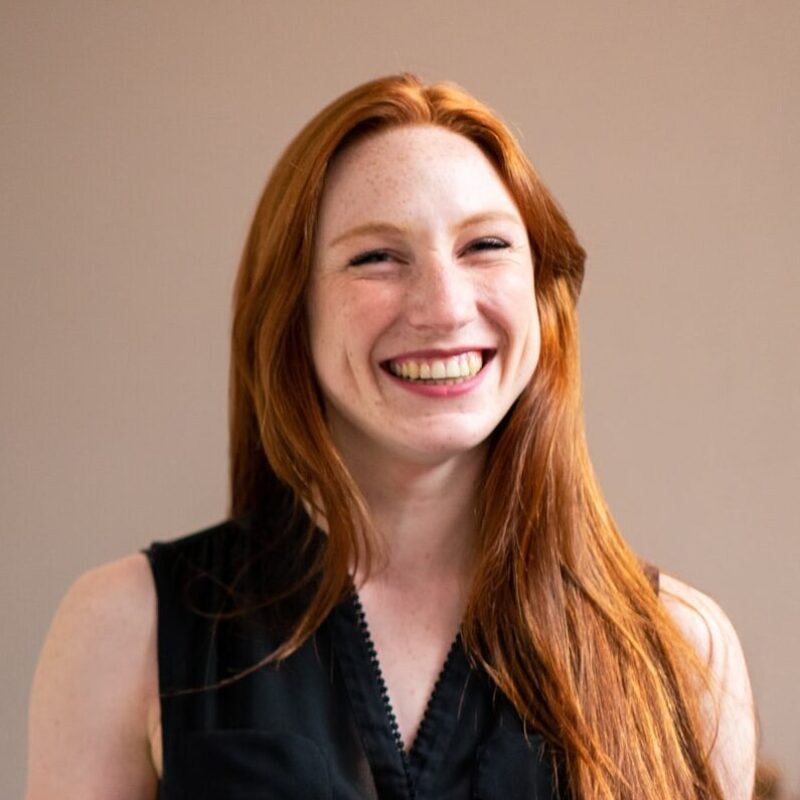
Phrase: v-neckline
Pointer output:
(408, 753)
(400, 774)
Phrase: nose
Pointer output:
(440, 295)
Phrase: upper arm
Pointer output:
(729, 709)
(94, 688)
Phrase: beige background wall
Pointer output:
(135, 139)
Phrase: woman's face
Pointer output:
(422, 313)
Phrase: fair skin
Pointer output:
(452, 281)
(452, 278)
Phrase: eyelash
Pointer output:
(365, 258)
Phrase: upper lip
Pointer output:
(439, 352)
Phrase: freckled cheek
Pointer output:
(511, 304)
(524, 305)
(328, 326)
(348, 326)
(371, 314)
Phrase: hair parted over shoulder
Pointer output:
(560, 615)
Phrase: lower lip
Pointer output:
(441, 390)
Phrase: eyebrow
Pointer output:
(388, 227)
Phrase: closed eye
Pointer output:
(490, 243)
(371, 257)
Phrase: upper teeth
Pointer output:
(464, 365)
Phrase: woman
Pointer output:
(410, 489)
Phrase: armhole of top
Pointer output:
(152, 555)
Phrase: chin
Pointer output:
(423, 442)
(436, 450)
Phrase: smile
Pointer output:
(438, 371)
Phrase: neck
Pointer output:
(425, 512)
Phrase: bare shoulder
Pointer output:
(729, 709)
(120, 591)
(93, 691)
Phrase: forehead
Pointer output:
(409, 174)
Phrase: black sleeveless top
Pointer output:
(317, 726)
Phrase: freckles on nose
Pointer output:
(440, 294)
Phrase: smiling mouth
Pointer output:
(439, 371)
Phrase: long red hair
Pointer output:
(561, 615)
